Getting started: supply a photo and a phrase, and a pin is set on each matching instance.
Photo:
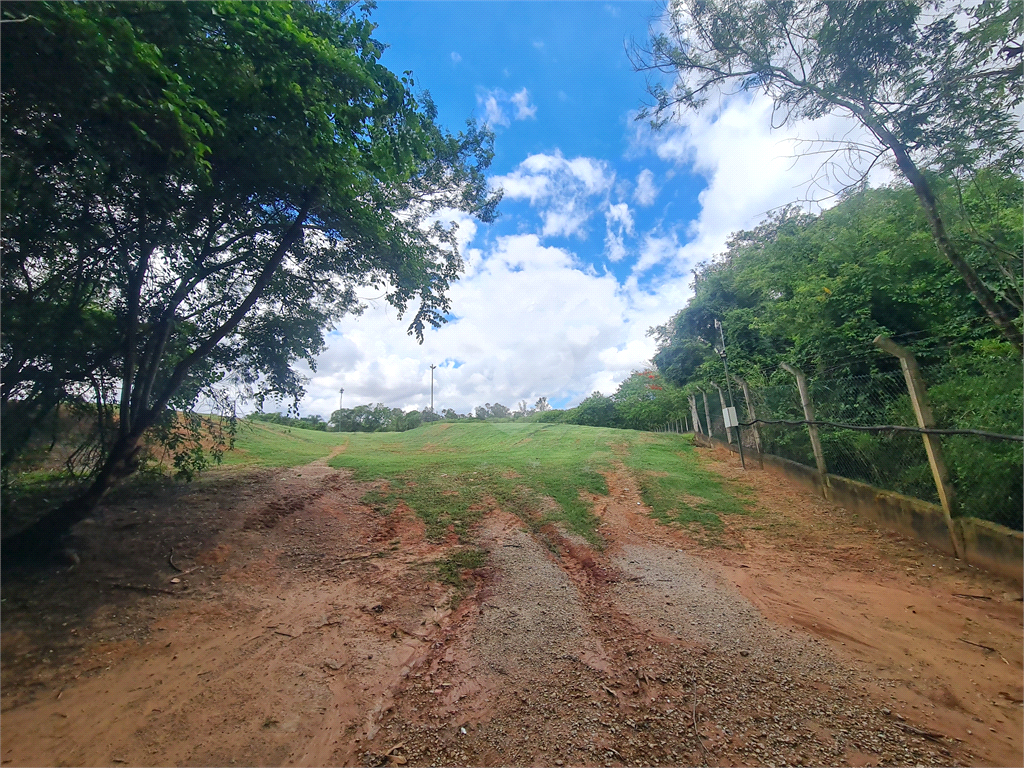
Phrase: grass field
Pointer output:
(448, 473)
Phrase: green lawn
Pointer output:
(272, 445)
(448, 472)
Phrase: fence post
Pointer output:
(753, 417)
(693, 413)
(805, 401)
(925, 419)
(721, 397)
(707, 412)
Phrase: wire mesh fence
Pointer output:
(987, 474)
(894, 461)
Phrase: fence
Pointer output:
(982, 474)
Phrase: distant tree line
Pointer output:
(643, 401)
(381, 418)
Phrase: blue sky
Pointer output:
(602, 219)
(549, 77)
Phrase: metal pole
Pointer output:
(732, 404)
(432, 367)
(341, 395)
(721, 401)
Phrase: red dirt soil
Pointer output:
(271, 618)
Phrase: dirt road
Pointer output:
(270, 618)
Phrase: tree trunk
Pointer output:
(122, 460)
(997, 313)
(45, 533)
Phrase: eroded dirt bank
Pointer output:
(270, 618)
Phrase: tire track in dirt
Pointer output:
(326, 639)
(625, 657)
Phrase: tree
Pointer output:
(499, 411)
(935, 91)
(596, 410)
(481, 411)
(411, 420)
(644, 401)
(197, 190)
(815, 290)
(541, 405)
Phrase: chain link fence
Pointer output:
(987, 474)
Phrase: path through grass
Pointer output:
(451, 473)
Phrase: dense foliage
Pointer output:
(933, 86)
(376, 418)
(814, 291)
(191, 194)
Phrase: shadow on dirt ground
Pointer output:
(271, 618)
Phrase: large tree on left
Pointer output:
(193, 191)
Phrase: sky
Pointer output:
(602, 219)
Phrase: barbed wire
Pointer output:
(888, 428)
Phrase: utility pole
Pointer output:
(432, 367)
(732, 404)
(341, 395)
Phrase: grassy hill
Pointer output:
(449, 473)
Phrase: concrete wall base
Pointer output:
(987, 545)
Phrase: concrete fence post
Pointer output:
(693, 413)
(707, 413)
(925, 419)
(808, 406)
(753, 417)
(721, 397)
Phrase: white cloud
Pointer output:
(562, 190)
(524, 109)
(621, 215)
(645, 192)
(532, 320)
(618, 223)
(655, 250)
(493, 104)
(456, 57)
(493, 113)
(749, 168)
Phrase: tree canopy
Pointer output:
(815, 290)
(193, 193)
(934, 85)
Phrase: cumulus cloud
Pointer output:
(532, 320)
(567, 192)
(493, 103)
(456, 57)
(645, 192)
(750, 168)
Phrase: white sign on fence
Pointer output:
(729, 414)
